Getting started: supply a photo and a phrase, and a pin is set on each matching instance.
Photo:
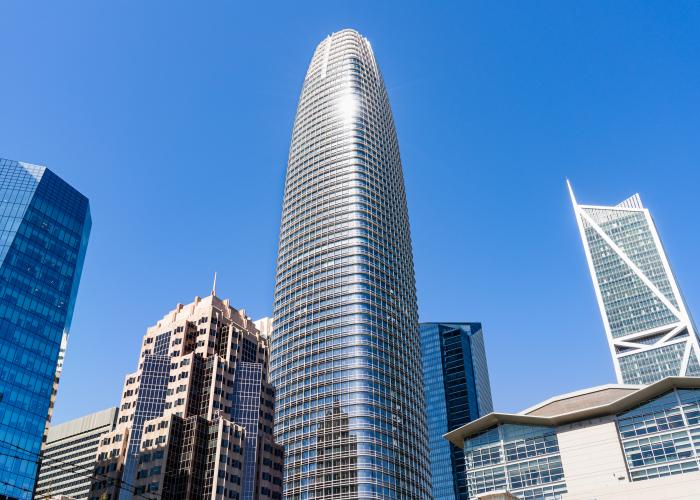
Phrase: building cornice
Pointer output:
(626, 402)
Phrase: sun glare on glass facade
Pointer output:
(346, 346)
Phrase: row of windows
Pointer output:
(344, 184)
(661, 437)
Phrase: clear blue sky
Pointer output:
(175, 120)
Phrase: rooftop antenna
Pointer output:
(213, 288)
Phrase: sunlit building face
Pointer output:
(649, 329)
(346, 348)
(45, 228)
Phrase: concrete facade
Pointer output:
(594, 467)
(196, 417)
(497, 495)
(69, 455)
(604, 443)
(264, 326)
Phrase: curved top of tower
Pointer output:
(348, 30)
(352, 44)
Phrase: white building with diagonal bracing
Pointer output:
(650, 332)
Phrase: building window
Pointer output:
(659, 437)
(521, 458)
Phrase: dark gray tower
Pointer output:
(346, 358)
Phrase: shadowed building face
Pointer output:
(457, 391)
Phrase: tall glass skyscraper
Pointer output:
(346, 345)
(649, 329)
(457, 391)
(44, 228)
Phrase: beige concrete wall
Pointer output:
(683, 486)
(594, 467)
(497, 495)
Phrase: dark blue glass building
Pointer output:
(457, 391)
(44, 229)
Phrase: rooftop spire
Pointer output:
(571, 192)
(213, 287)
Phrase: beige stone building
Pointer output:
(612, 442)
(196, 417)
(69, 456)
